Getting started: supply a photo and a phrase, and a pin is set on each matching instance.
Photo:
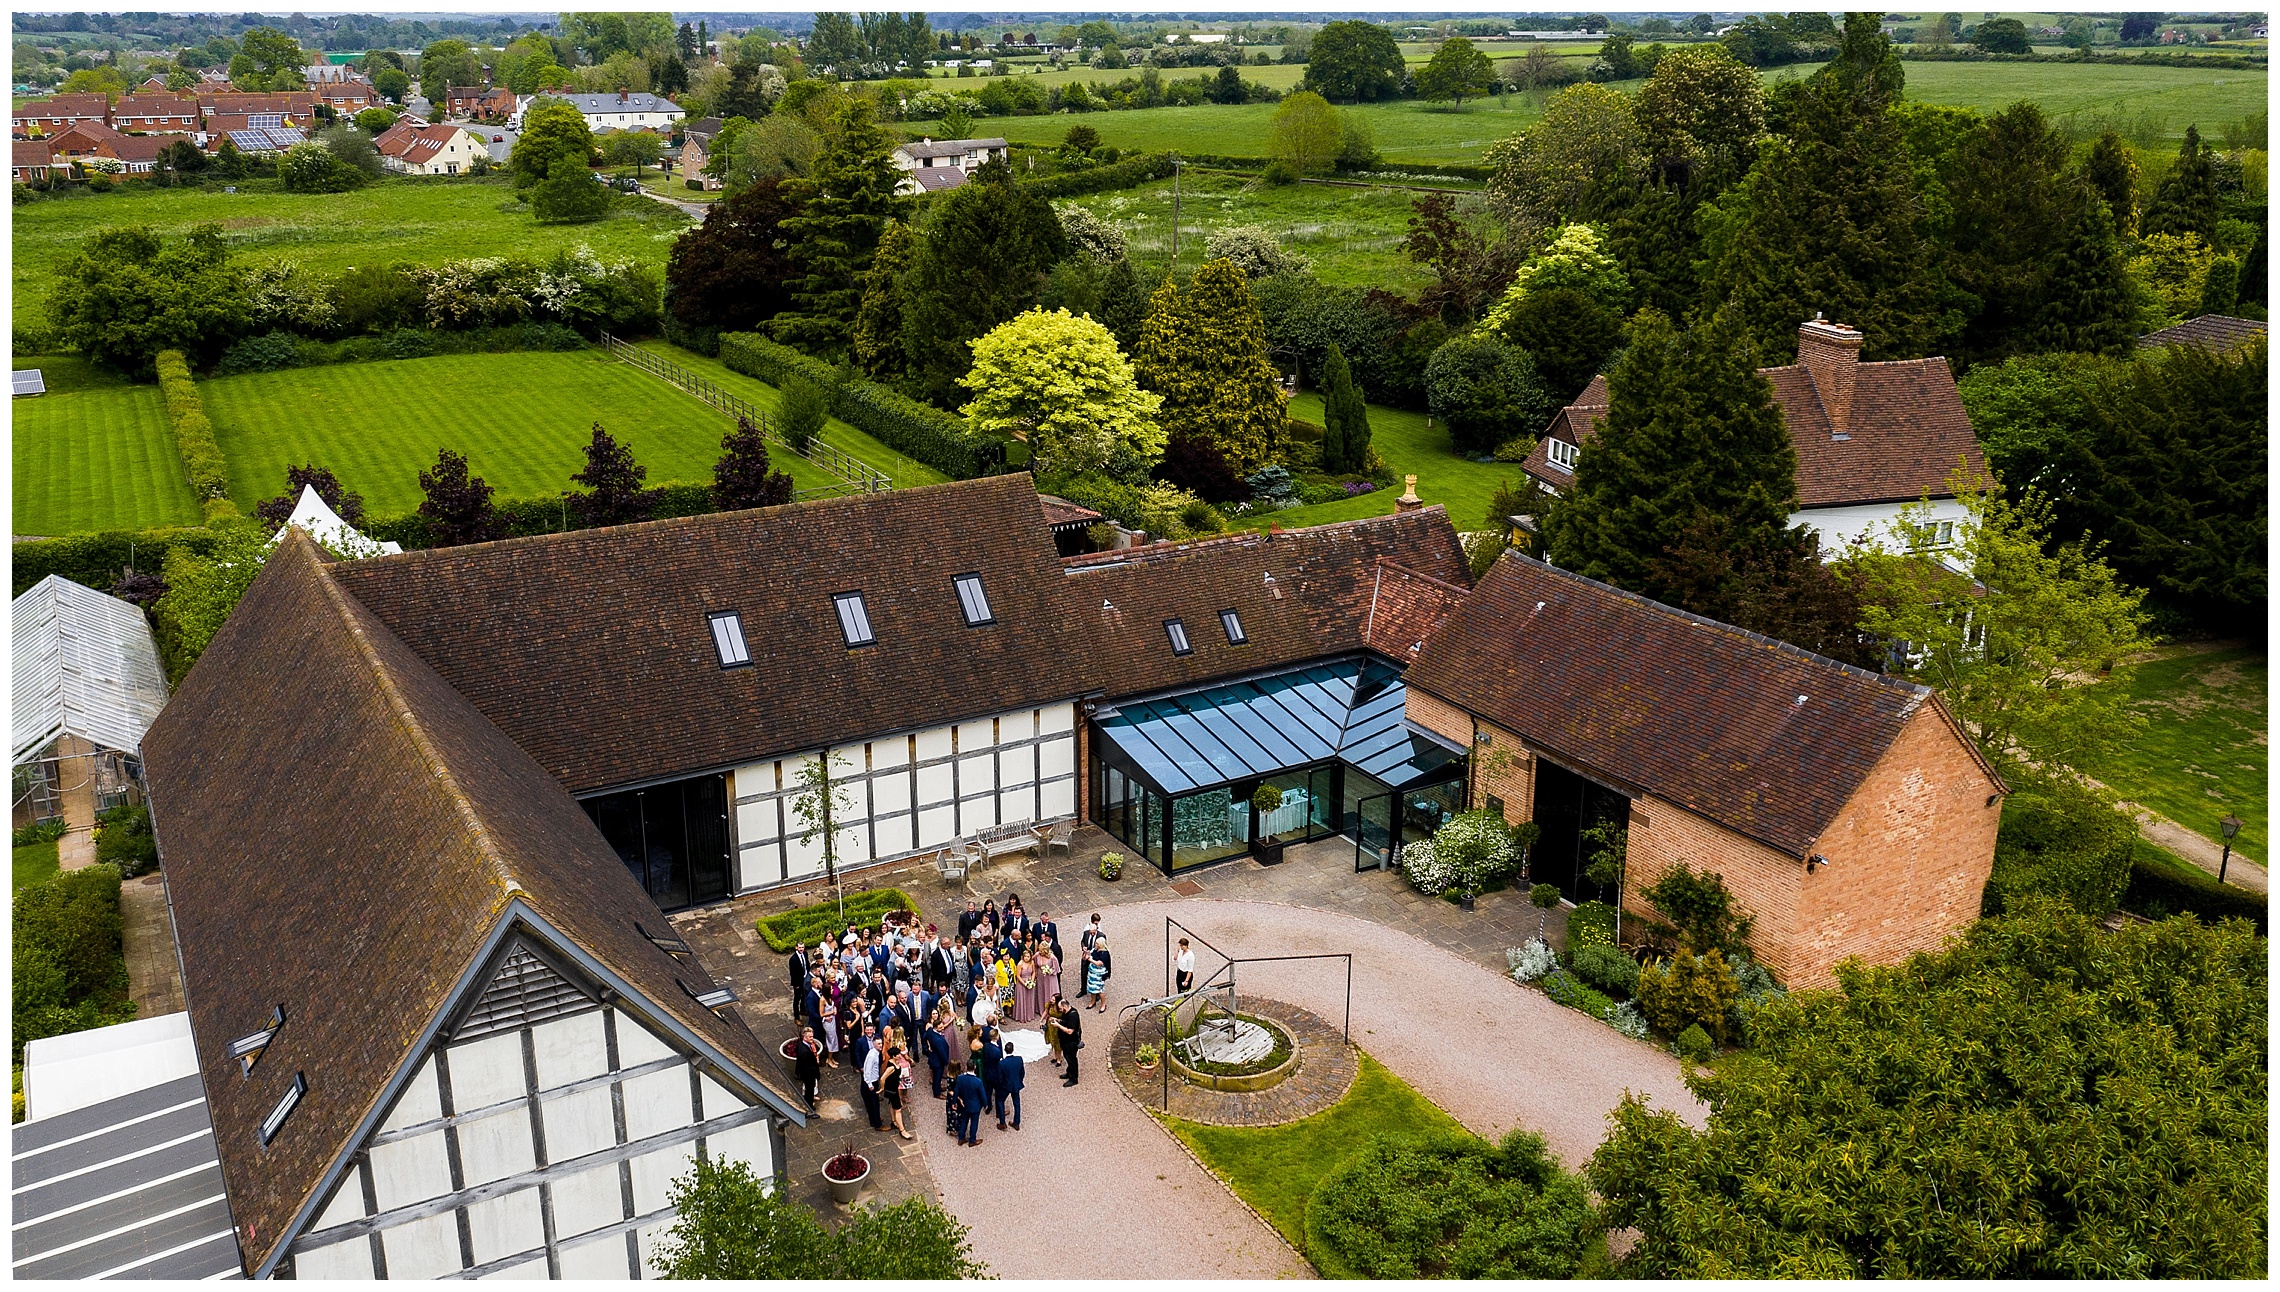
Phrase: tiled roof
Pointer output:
(936, 179)
(1759, 736)
(597, 104)
(423, 147)
(1300, 595)
(1904, 434)
(82, 136)
(1405, 609)
(592, 649)
(1060, 512)
(2217, 332)
(139, 148)
(153, 105)
(948, 147)
(67, 105)
(33, 152)
(343, 835)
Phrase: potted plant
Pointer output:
(845, 1173)
(1111, 865)
(1146, 1056)
(1267, 848)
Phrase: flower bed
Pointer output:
(805, 925)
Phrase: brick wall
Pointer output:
(1504, 768)
(1764, 882)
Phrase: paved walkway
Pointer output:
(154, 974)
(2196, 848)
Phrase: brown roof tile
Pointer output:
(592, 649)
(1759, 736)
(2220, 333)
(342, 834)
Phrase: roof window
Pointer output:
(275, 1121)
(1560, 453)
(667, 943)
(1177, 631)
(711, 998)
(728, 639)
(247, 1050)
(854, 619)
(1234, 626)
(972, 601)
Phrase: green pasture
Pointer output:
(523, 420)
(93, 453)
(1407, 130)
(1352, 235)
(2203, 750)
(425, 221)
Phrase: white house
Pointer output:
(431, 150)
(1871, 438)
(624, 110)
(934, 164)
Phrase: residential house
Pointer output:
(86, 685)
(696, 150)
(482, 103)
(624, 110)
(34, 159)
(431, 150)
(494, 1060)
(256, 132)
(346, 97)
(291, 109)
(395, 139)
(1846, 811)
(1871, 438)
(155, 114)
(155, 85)
(932, 165)
(2216, 333)
(137, 154)
(81, 140)
(47, 116)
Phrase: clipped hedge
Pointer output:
(194, 436)
(95, 560)
(273, 351)
(524, 517)
(806, 925)
(2060, 840)
(69, 969)
(924, 432)
(1129, 173)
(2157, 892)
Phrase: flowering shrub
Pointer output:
(1422, 866)
(575, 287)
(283, 298)
(1255, 251)
(1531, 960)
(1566, 989)
(1625, 1018)
(1591, 924)
(1092, 236)
(1356, 488)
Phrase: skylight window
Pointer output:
(1177, 631)
(1234, 626)
(712, 998)
(247, 1050)
(728, 639)
(972, 601)
(854, 618)
(275, 1121)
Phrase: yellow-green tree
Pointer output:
(1057, 381)
(1305, 133)
(1204, 349)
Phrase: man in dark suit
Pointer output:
(937, 1056)
(1045, 928)
(938, 967)
(970, 1094)
(807, 1063)
(811, 1007)
(1072, 1025)
(992, 1054)
(968, 920)
(1010, 1081)
(869, 1059)
(799, 973)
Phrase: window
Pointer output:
(275, 1121)
(1177, 631)
(1560, 453)
(1234, 627)
(972, 601)
(854, 618)
(728, 639)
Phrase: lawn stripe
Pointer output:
(96, 459)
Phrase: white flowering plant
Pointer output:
(1531, 960)
(1422, 866)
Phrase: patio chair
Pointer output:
(1059, 837)
(953, 861)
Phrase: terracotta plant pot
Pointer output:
(843, 1191)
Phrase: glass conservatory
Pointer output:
(1175, 777)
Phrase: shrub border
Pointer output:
(193, 436)
(921, 431)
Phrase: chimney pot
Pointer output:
(1408, 501)
(1830, 352)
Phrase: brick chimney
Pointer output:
(1831, 352)
(624, 94)
(1408, 501)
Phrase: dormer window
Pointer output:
(854, 619)
(728, 639)
(1177, 631)
(1234, 626)
(1560, 453)
(972, 601)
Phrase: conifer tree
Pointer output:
(2087, 307)
(844, 209)
(2112, 170)
(1204, 349)
(1831, 219)
(879, 322)
(1123, 304)
(1345, 417)
(980, 261)
(2186, 202)
(2010, 197)
(1691, 430)
(613, 482)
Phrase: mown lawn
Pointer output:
(1353, 236)
(94, 454)
(907, 472)
(425, 221)
(523, 421)
(2202, 753)
(34, 863)
(1276, 1168)
(1408, 446)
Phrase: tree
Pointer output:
(1345, 416)
(844, 207)
(1226, 86)
(1058, 383)
(1587, 135)
(552, 129)
(613, 482)
(1691, 429)
(203, 587)
(742, 478)
(447, 63)
(1123, 304)
(1204, 349)
(1468, 267)
(1304, 133)
(374, 120)
(229, 163)
(1574, 258)
(310, 167)
(1616, 61)
(821, 805)
(1451, 1205)
(2186, 201)
(774, 147)
(128, 295)
(1352, 61)
(569, 194)
(2068, 1147)
(392, 84)
(731, 1224)
(1568, 334)
(730, 272)
(635, 148)
(2009, 190)
(2002, 36)
(981, 258)
(347, 505)
(1485, 392)
(2172, 270)
(1767, 580)
(878, 340)
(2087, 305)
(267, 59)
(2015, 656)
(1704, 105)
(457, 505)
(354, 149)
(1457, 70)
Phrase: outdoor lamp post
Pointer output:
(2231, 826)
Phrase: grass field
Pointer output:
(398, 219)
(1353, 235)
(1408, 447)
(1276, 1168)
(35, 862)
(523, 421)
(93, 453)
(907, 472)
(2203, 751)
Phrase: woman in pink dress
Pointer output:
(1025, 991)
(1048, 973)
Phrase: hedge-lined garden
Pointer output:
(936, 438)
(194, 436)
(805, 925)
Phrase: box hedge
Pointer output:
(194, 436)
(806, 925)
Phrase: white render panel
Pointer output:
(977, 774)
(1056, 717)
(890, 793)
(936, 826)
(890, 753)
(1057, 757)
(657, 1103)
(748, 1144)
(653, 1175)
(934, 785)
(527, 1270)
(977, 814)
(757, 822)
(587, 1200)
(506, 1225)
(637, 1044)
(1840, 527)
(578, 1123)
(347, 1260)
(980, 734)
(718, 1102)
(1017, 806)
(933, 743)
(850, 760)
(410, 1170)
(347, 1205)
(761, 865)
(651, 1236)
(854, 843)
(1060, 799)
(487, 1072)
(422, 1249)
(603, 1258)
(894, 834)
(495, 1147)
(570, 1049)
(419, 1104)
(1017, 766)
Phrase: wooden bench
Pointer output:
(991, 844)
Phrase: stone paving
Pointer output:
(1326, 1071)
(146, 935)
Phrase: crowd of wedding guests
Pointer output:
(882, 1001)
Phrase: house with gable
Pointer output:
(51, 115)
(932, 165)
(430, 150)
(155, 114)
(1871, 438)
